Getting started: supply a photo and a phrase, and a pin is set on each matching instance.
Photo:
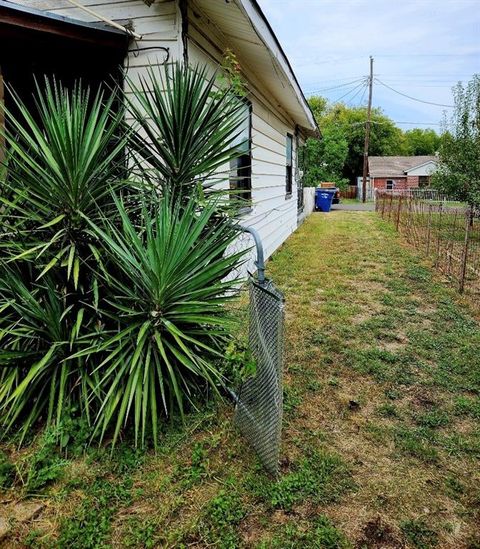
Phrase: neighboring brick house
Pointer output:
(401, 172)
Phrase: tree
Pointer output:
(324, 159)
(459, 167)
(420, 141)
(385, 137)
(341, 125)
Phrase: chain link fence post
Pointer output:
(259, 400)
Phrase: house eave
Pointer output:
(21, 17)
(266, 34)
(420, 166)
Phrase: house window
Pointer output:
(423, 181)
(390, 184)
(241, 166)
(289, 161)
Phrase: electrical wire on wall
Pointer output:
(136, 52)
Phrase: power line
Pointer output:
(334, 87)
(419, 123)
(362, 83)
(363, 95)
(365, 86)
(413, 98)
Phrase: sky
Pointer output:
(420, 48)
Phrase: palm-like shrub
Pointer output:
(186, 126)
(63, 162)
(38, 334)
(112, 293)
(163, 306)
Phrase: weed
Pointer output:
(291, 399)
(198, 466)
(416, 442)
(90, 525)
(320, 477)
(223, 514)
(419, 534)
(314, 385)
(388, 410)
(239, 363)
(141, 533)
(7, 471)
(454, 487)
(320, 534)
(433, 419)
(465, 406)
(419, 273)
(45, 465)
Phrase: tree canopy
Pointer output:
(339, 154)
(421, 142)
(459, 167)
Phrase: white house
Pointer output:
(87, 38)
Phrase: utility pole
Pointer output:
(367, 133)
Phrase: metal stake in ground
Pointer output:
(468, 227)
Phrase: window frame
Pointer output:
(424, 181)
(243, 162)
(392, 181)
(288, 166)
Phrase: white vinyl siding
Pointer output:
(272, 213)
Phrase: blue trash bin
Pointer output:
(324, 199)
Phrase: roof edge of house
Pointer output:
(435, 161)
(266, 33)
(61, 19)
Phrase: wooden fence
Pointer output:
(349, 192)
(446, 232)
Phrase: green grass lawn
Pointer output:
(381, 444)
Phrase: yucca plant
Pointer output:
(186, 127)
(38, 333)
(64, 159)
(166, 323)
(112, 293)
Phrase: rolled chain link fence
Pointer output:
(259, 400)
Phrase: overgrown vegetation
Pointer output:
(113, 267)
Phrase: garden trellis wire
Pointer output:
(448, 232)
(259, 400)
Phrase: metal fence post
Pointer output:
(397, 223)
(390, 208)
(429, 227)
(463, 271)
(259, 399)
(260, 261)
(383, 205)
(439, 232)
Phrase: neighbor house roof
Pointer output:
(396, 166)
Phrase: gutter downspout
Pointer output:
(183, 5)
